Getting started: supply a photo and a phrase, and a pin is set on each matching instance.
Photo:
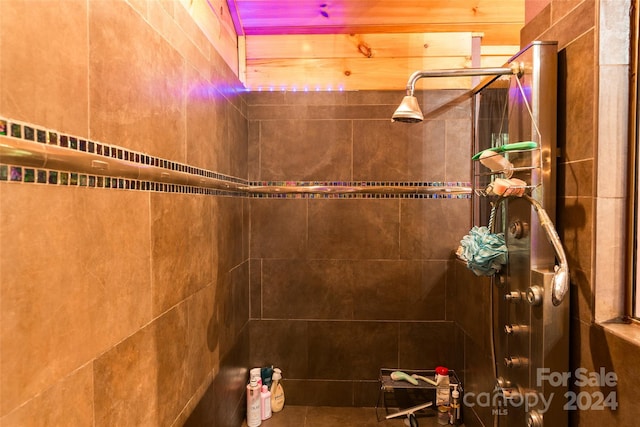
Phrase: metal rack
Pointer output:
(401, 395)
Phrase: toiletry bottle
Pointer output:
(266, 373)
(253, 404)
(455, 406)
(255, 373)
(265, 403)
(442, 388)
(277, 392)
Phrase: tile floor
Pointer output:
(324, 416)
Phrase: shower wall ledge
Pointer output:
(32, 154)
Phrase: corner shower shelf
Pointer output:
(524, 170)
(402, 395)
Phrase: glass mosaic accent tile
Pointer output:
(4, 172)
(73, 178)
(53, 177)
(42, 136)
(16, 130)
(64, 141)
(42, 176)
(29, 133)
(29, 175)
(73, 143)
(15, 173)
(3, 127)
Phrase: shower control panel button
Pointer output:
(515, 329)
(534, 295)
(515, 362)
(513, 296)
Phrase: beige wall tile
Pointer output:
(206, 120)
(43, 63)
(136, 83)
(182, 247)
(75, 281)
(142, 381)
(68, 402)
(202, 337)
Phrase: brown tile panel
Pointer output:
(360, 290)
(575, 227)
(539, 24)
(473, 318)
(425, 345)
(595, 349)
(68, 402)
(206, 125)
(278, 228)
(120, 396)
(228, 218)
(351, 350)
(432, 229)
(568, 28)
(576, 179)
(181, 245)
(576, 120)
(283, 344)
(457, 150)
(240, 297)
(255, 288)
(320, 112)
(253, 149)
(319, 392)
(399, 290)
(44, 72)
(444, 104)
(478, 378)
(203, 350)
(237, 147)
(126, 59)
(353, 229)
(302, 150)
(299, 289)
(390, 152)
(71, 287)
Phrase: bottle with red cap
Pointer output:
(442, 387)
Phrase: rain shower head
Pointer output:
(408, 111)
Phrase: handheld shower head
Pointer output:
(408, 111)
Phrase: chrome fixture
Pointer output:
(409, 110)
(560, 281)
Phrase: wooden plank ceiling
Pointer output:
(369, 44)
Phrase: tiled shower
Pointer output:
(341, 287)
(144, 306)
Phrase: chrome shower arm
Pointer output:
(462, 72)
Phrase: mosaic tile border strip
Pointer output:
(34, 154)
(13, 173)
